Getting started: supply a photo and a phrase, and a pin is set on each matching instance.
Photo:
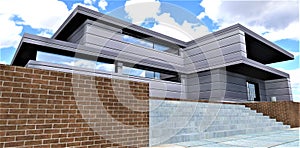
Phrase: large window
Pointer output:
(147, 72)
(73, 61)
(150, 44)
(137, 70)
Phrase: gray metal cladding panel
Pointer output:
(136, 50)
(110, 53)
(214, 44)
(101, 36)
(234, 85)
(165, 94)
(215, 36)
(236, 80)
(236, 88)
(236, 95)
(115, 40)
(199, 80)
(158, 63)
(284, 98)
(241, 80)
(136, 59)
(274, 92)
(169, 86)
(201, 55)
(77, 36)
(205, 79)
(213, 62)
(94, 26)
(224, 86)
(199, 95)
(277, 85)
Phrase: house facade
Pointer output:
(226, 65)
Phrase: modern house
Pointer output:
(226, 65)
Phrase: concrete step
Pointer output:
(217, 134)
(212, 128)
(230, 122)
(170, 104)
(240, 126)
(209, 114)
(205, 118)
(197, 111)
(180, 122)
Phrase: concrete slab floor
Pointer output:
(276, 139)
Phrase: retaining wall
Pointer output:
(47, 108)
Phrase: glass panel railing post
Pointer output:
(118, 67)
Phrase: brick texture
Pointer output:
(40, 108)
(284, 111)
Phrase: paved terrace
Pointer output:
(282, 138)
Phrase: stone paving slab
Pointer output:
(277, 139)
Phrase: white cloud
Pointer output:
(165, 23)
(89, 2)
(84, 5)
(43, 15)
(139, 10)
(102, 4)
(46, 34)
(292, 31)
(9, 32)
(295, 53)
(276, 20)
(3, 62)
(186, 31)
(106, 67)
(82, 63)
(91, 65)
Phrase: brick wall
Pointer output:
(284, 111)
(47, 108)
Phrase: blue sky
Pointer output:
(277, 21)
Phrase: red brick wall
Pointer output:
(284, 111)
(47, 108)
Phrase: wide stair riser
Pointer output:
(189, 121)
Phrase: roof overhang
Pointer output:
(257, 70)
(262, 50)
(258, 48)
(81, 14)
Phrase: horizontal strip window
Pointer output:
(147, 72)
(74, 61)
(150, 44)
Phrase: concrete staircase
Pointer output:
(179, 121)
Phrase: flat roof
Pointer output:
(81, 14)
(268, 52)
